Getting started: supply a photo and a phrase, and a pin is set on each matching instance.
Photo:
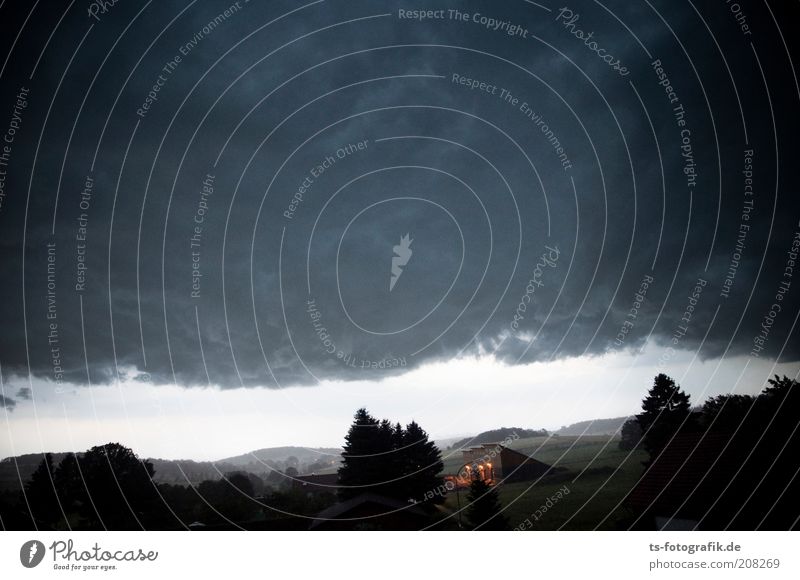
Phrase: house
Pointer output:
(370, 511)
(494, 462)
(680, 486)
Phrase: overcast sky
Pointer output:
(204, 207)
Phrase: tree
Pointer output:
(228, 499)
(726, 412)
(359, 469)
(484, 507)
(119, 485)
(781, 390)
(782, 404)
(779, 452)
(421, 463)
(297, 502)
(386, 459)
(40, 493)
(631, 434)
(753, 483)
(664, 410)
(70, 486)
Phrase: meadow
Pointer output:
(585, 493)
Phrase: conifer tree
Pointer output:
(359, 469)
(388, 460)
(664, 410)
(422, 463)
(484, 507)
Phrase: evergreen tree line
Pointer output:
(109, 487)
(386, 459)
(753, 480)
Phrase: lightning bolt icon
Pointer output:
(402, 256)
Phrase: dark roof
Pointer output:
(673, 478)
(502, 449)
(527, 458)
(318, 479)
(379, 504)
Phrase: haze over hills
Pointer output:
(498, 435)
(302, 454)
(302, 460)
(14, 470)
(261, 462)
(274, 460)
(594, 427)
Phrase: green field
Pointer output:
(596, 473)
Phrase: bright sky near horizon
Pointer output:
(460, 397)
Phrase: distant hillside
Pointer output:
(497, 435)
(302, 459)
(302, 454)
(446, 442)
(262, 462)
(26, 464)
(14, 470)
(594, 427)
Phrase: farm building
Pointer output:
(494, 462)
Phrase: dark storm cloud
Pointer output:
(289, 289)
(7, 403)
